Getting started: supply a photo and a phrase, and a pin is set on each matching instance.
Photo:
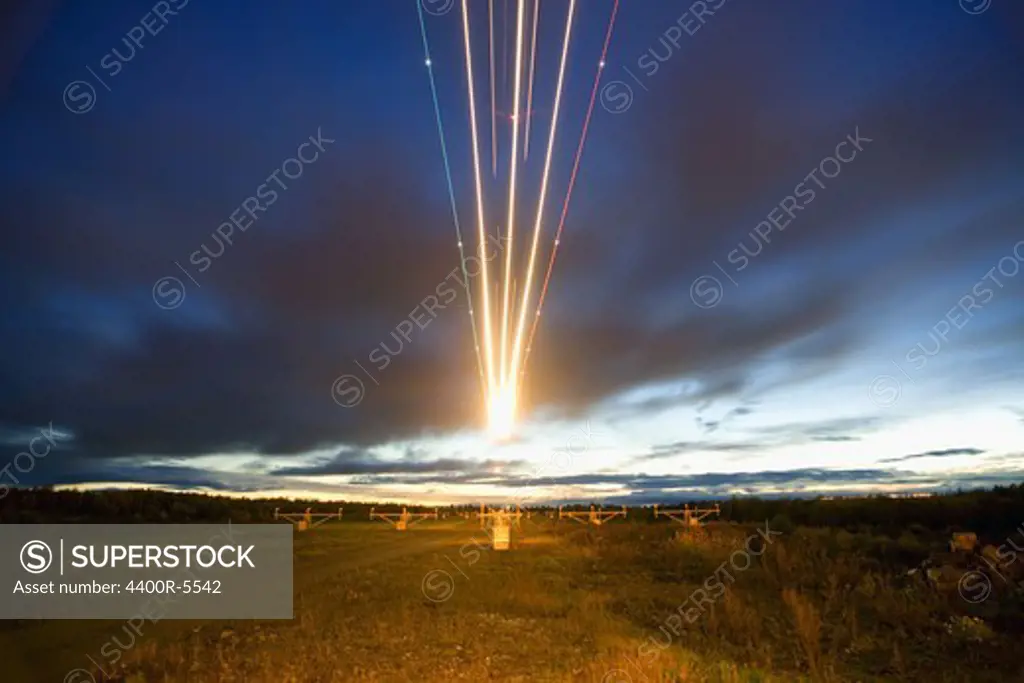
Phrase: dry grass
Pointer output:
(612, 605)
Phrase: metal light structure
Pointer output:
(304, 520)
(404, 519)
(687, 516)
(593, 516)
(500, 523)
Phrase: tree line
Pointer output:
(990, 513)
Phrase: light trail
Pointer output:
(494, 123)
(451, 192)
(517, 346)
(572, 183)
(510, 228)
(504, 45)
(484, 279)
(529, 90)
(502, 362)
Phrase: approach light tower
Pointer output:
(688, 516)
(500, 522)
(304, 520)
(404, 519)
(593, 516)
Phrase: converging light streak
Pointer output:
(484, 278)
(572, 181)
(504, 44)
(451, 192)
(517, 346)
(502, 362)
(494, 123)
(514, 156)
(529, 90)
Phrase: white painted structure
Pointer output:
(687, 516)
(404, 519)
(499, 524)
(304, 520)
(594, 516)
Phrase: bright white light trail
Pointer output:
(517, 346)
(504, 368)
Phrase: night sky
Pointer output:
(791, 264)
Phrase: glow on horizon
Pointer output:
(621, 437)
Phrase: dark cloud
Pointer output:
(716, 479)
(138, 471)
(671, 450)
(711, 426)
(945, 453)
(364, 466)
(708, 426)
(835, 429)
(645, 489)
(25, 23)
(710, 480)
(363, 241)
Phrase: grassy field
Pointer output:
(623, 603)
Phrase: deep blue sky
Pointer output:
(698, 357)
